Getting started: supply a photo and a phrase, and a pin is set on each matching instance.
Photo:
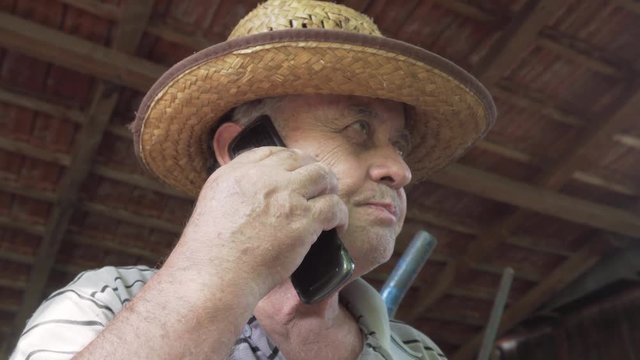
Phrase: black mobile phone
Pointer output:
(327, 265)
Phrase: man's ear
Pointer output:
(221, 139)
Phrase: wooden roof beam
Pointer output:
(84, 149)
(630, 5)
(558, 279)
(507, 51)
(583, 53)
(140, 181)
(537, 199)
(44, 107)
(22, 225)
(458, 318)
(13, 284)
(31, 151)
(595, 136)
(57, 111)
(472, 12)
(553, 178)
(75, 53)
(165, 32)
(628, 140)
(516, 39)
(536, 102)
(591, 178)
(105, 11)
(420, 214)
(135, 16)
(130, 218)
(107, 244)
(73, 236)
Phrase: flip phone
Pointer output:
(327, 265)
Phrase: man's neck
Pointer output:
(297, 328)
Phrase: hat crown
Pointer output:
(303, 14)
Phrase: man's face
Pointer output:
(362, 141)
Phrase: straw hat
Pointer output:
(286, 47)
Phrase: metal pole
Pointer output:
(406, 270)
(496, 314)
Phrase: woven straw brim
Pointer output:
(452, 109)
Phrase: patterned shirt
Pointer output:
(73, 316)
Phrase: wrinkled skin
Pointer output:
(267, 202)
(370, 170)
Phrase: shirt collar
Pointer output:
(367, 307)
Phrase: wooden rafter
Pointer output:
(516, 38)
(581, 52)
(88, 139)
(535, 102)
(595, 136)
(538, 199)
(77, 238)
(467, 10)
(26, 227)
(104, 171)
(81, 55)
(106, 11)
(27, 102)
(128, 217)
(560, 277)
(73, 236)
(509, 49)
(140, 181)
(118, 214)
(31, 151)
(631, 5)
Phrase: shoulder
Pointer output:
(72, 316)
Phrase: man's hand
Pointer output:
(257, 216)
(254, 221)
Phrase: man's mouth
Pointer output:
(388, 207)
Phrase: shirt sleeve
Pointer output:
(70, 318)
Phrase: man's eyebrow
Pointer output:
(362, 111)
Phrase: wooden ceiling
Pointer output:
(551, 189)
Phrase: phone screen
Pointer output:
(327, 265)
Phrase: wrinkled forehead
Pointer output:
(327, 106)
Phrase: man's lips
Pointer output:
(387, 206)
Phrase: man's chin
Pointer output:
(369, 255)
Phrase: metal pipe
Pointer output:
(496, 314)
(405, 272)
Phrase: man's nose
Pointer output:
(389, 167)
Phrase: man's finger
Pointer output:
(290, 159)
(258, 154)
(329, 211)
(313, 180)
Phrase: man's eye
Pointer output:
(362, 126)
(403, 145)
